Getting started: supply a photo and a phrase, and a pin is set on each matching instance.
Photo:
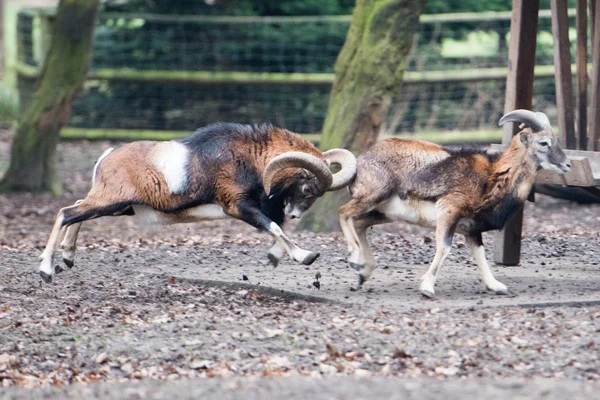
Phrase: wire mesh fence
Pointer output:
(295, 49)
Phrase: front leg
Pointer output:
(251, 214)
(475, 243)
(443, 241)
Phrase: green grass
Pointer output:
(139, 134)
(476, 44)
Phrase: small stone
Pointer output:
(127, 368)
(279, 361)
(327, 369)
(101, 358)
(200, 364)
(450, 371)
(5, 359)
(271, 333)
(362, 373)
(518, 341)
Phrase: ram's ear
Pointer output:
(525, 138)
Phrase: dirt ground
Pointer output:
(152, 312)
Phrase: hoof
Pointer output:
(273, 260)
(361, 280)
(355, 266)
(46, 277)
(58, 269)
(504, 292)
(68, 263)
(310, 258)
(427, 293)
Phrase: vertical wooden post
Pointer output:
(519, 93)
(594, 133)
(41, 37)
(2, 40)
(562, 73)
(592, 17)
(581, 23)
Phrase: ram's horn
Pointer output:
(538, 121)
(348, 163)
(298, 159)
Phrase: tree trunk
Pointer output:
(368, 74)
(32, 164)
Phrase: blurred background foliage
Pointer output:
(165, 35)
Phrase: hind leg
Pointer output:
(67, 217)
(346, 214)
(362, 259)
(69, 243)
(46, 268)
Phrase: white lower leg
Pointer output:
(428, 280)
(46, 267)
(47, 255)
(486, 272)
(348, 235)
(295, 252)
(363, 257)
(69, 243)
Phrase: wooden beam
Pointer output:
(562, 72)
(519, 93)
(581, 59)
(594, 132)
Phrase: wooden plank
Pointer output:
(460, 17)
(594, 132)
(562, 72)
(519, 93)
(280, 78)
(581, 60)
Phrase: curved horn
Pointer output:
(348, 163)
(298, 159)
(538, 121)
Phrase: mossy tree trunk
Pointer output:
(32, 164)
(368, 73)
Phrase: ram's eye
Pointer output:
(306, 190)
(543, 143)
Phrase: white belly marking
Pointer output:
(416, 212)
(148, 216)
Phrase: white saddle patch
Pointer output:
(148, 216)
(416, 212)
(102, 157)
(171, 159)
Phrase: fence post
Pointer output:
(41, 37)
(519, 93)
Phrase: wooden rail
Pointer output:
(277, 78)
